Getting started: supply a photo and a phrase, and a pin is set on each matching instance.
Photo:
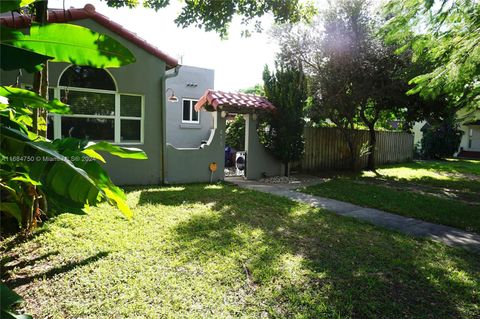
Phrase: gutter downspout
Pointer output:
(163, 114)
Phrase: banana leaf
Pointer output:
(72, 44)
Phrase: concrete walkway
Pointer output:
(448, 235)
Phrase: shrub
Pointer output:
(441, 139)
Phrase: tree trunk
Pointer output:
(286, 168)
(349, 135)
(373, 145)
(40, 84)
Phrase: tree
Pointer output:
(446, 33)
(215, 15)
(235, 133)
(355, 79)
(257, 89)
(286, 89)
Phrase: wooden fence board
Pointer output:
(326, 148)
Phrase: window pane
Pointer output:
(194, 114)
(130, 130)
(90, 103)
(186, 110)
(130, 105)
(87, 77)
(88, 128)
(50, 127)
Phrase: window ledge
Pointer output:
(191, 125)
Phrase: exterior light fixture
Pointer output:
(172, 98)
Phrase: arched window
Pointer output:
(100, 112)
(87, 77)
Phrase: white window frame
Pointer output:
(192, 104)
(57, 118)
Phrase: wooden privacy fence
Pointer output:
(326, 148)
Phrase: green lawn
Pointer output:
(462, 176)
(408, 203)
(216, 251)
(444, 192)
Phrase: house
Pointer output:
(187, 128)
(469, 124)
(124, 105)
(470, 143)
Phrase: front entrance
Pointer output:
(235, 154)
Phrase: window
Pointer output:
(99, 112)
(189, 113)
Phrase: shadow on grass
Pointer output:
(8, 263)
(351, 269)
(20, 281)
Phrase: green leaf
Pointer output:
(9, 120)
(8, 297)
(73, 44)
(123, 152)
(18, 98)
(14, 58)
(58, 174)
(12, 209)
(26, 179)
(11, 5)
(120, 202)
(10, 315)
(94, 155)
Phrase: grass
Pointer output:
(407, 203)
(459, 175)
(444, 192)
(216, 251)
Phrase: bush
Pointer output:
(235, 133)
(441, 139)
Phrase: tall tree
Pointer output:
(286, 89)
(446, 33)
(355, 78)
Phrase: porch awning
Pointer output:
(233, 102)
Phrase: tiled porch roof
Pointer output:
(235, 102)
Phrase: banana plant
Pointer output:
(40, 178)
(8, 300)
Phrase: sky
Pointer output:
(238, 61)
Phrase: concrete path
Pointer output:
(448, 235)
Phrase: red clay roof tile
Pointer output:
(239, 102)
(88, 12)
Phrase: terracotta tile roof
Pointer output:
(238, 102)
(88, 12)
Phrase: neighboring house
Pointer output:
(470, 144)
(470, 125)
(187, 128)
(124, 105)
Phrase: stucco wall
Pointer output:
(143, 77)
(190, 83)
(259, 162)
(190, 165)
